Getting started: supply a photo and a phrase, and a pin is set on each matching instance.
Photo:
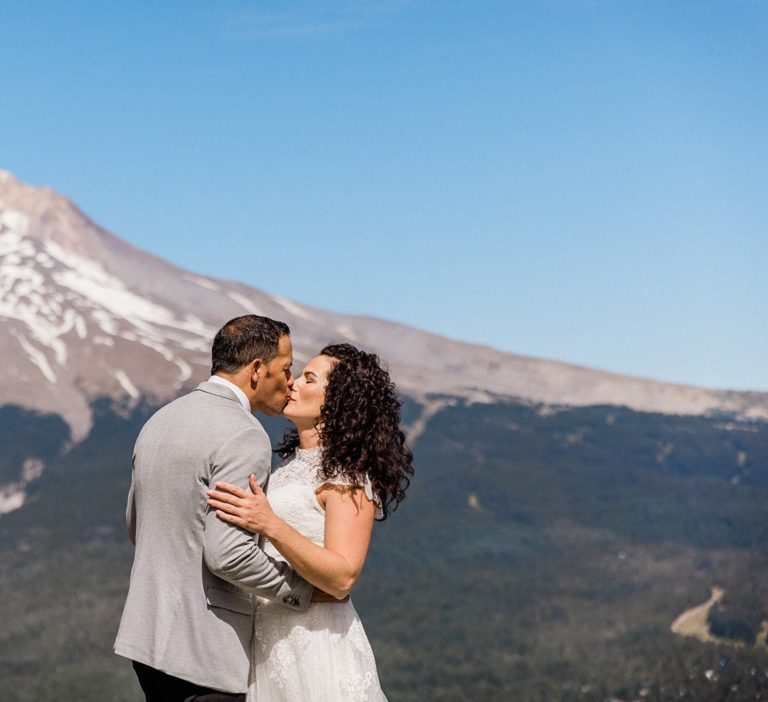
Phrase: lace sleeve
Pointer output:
(346, 482)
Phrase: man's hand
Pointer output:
(322, 596)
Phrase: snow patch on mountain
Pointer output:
(93, 283)
(12, 498)
(185, 371)
(37, 357)
(346, 330)
(54, 292)
(202, 282)
(247, 304)
(15, 220)
(292, 307)
(127, 385)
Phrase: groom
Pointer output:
(188, 619)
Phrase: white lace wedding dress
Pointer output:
(323, 654)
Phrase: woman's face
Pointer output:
(308, 393)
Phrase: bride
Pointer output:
(348, 465)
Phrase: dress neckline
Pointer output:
(312, 456)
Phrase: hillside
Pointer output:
(539, 556)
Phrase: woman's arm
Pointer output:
(333, 568)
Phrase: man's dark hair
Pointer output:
(244, 338)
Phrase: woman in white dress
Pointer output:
(348, 465)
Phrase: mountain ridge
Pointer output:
(90, 315)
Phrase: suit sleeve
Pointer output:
(130, 515)
(232, 553)
(130, 507)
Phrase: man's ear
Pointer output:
(257, 368)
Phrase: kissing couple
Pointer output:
(235, 595)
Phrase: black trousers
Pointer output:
(161, 687)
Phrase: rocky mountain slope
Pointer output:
(86, 315)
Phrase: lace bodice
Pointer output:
(292, 493)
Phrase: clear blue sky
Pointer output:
(585, 180)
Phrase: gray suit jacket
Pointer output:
(189, 610)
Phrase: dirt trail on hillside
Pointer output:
(429, 411)
(762, 636)
(693, 622)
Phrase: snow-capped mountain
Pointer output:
(86, 315)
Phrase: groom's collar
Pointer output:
(239, 394)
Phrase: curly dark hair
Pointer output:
(359, 427)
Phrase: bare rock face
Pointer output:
(86, 315)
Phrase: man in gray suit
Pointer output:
(188, 618)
